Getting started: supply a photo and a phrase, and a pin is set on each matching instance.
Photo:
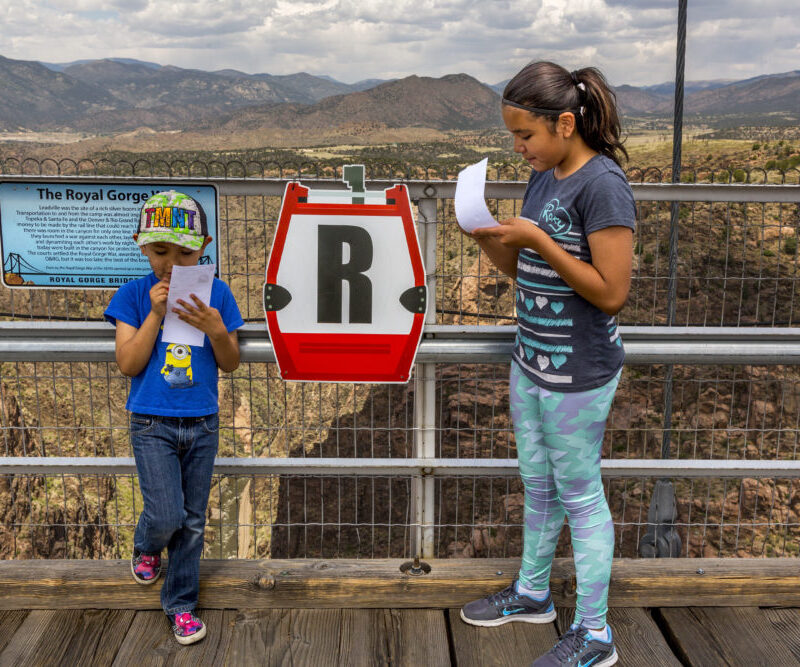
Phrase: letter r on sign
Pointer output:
(333, 270)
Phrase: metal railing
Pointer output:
(426, 447)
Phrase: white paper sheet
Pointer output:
(186, 280)
(471, 211)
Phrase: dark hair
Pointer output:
(548, 90)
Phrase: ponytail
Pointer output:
(548, 90)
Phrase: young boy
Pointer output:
(173, 402)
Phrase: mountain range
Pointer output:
(118, 95)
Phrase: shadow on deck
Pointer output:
(367, 613)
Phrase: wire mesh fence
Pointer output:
(738, 265)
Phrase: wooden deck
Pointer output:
(704, 637)
(337, 613)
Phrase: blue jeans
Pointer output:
(175, 460)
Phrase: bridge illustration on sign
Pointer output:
(14, 266)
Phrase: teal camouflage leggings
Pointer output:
(559, 436)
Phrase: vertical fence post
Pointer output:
(423, 487)
(661, 539)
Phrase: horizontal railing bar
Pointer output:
(94, 341)
(440, 189)
(385, 467)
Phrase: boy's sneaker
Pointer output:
(145, 567)
(577, 648)
(507, 606)
(187, 628)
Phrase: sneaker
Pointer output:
(145, 567)
(187, 628)
(507, 606)
(577, 648)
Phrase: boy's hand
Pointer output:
(202, 317)
(158, 298)
(512, 233)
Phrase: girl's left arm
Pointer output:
(604, 283)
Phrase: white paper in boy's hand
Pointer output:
(186, 280)
(471, 211)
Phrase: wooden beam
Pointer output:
(287, 584)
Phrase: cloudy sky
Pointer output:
(632, 41)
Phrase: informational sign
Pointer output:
(75, 235)
(345, 294)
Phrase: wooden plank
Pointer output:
(509, 644)
(282, 584)
(314, 636)
(726, 636)
(787, 623)
(340, 637)
(636, 636)
(417, 637)
(149, 641)
(42, 638)
(286, 637)
(363, 639)
(9, 624)
(259, 637)
(97, 637)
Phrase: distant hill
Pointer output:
(60, 67)
(120, 95)
(34, 96)
(668, 88)
(456, 101)
(142, 87)
(757, 97)
(762, 94)
(112, 93)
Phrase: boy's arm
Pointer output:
(134, 346)
(226, 351)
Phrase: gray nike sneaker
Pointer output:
(507, 606)
(577, 648)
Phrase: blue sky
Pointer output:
(632, 41)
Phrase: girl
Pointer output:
(570, 253)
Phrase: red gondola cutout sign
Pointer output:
(345, 293)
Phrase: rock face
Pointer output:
(43, 517)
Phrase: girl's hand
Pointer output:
(512, 233)
(158, 298)
(202, 317)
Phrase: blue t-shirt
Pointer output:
(179, 380)
(564, 343)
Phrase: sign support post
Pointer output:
(424, 486)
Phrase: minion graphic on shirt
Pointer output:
(177, 370)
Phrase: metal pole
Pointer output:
(423, 487)
(677, 140)
(661, 539)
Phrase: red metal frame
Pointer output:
(339, 357)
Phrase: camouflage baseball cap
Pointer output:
(172, 217)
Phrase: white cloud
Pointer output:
(632, 41)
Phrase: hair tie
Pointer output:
(578, 84)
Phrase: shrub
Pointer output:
(739, 175)
(790, 245)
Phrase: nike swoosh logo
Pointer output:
(586, 664)
(508, 612)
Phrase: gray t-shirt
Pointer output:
(564, 343)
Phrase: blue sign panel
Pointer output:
(79, 235)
